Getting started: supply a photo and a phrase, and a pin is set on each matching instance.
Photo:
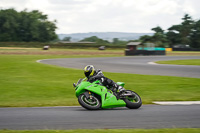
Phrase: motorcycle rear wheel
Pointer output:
(90, 104)
(134, 101)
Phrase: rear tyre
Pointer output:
(134, 101)
(92, 103)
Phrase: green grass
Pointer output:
(179, 130)
(26, 83)
(181, 62)
(183, 53)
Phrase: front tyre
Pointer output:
(92, 103)
(132, 101)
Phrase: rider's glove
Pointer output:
(91, 79)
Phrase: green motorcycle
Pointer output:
(93, 96)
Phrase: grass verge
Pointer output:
(183, 53)
(56, 51)
(177, 130)
(181, 62)
(26, 83)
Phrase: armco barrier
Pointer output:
(186, 49)
(168, 49)
(144, 52)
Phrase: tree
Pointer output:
(186, 28)
(195, 35)
(94, 39)
(180, 34)
(91, 39)
(66, 39)
(173, 35)
(173, 38)
(160, 40)
(145, 38)
(115, 41)
(159, 37)
(8, 25)
(186, 33)
(158, 29)
(26, 26)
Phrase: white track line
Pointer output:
(178, 103)
(152, 63)
(39, 61)
(44, 107)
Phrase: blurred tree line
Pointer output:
(186, 34)
(94, 39)
(26, 26)
(97, 40)
(34, 26)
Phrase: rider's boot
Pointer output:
(120, 90)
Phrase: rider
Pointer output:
(92, 75)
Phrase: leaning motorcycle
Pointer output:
(94, 96)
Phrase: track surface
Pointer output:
(148, 116)
(132, 64)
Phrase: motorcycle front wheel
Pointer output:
(132, 101)
(92, 103)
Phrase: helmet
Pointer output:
(89, 70)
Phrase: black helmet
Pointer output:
(89, 70)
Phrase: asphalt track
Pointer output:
(148, 116)
(132, 64)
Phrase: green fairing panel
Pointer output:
(109, 101)
(107, 98)
(88, 86)
(80, 88)
(121, 83)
